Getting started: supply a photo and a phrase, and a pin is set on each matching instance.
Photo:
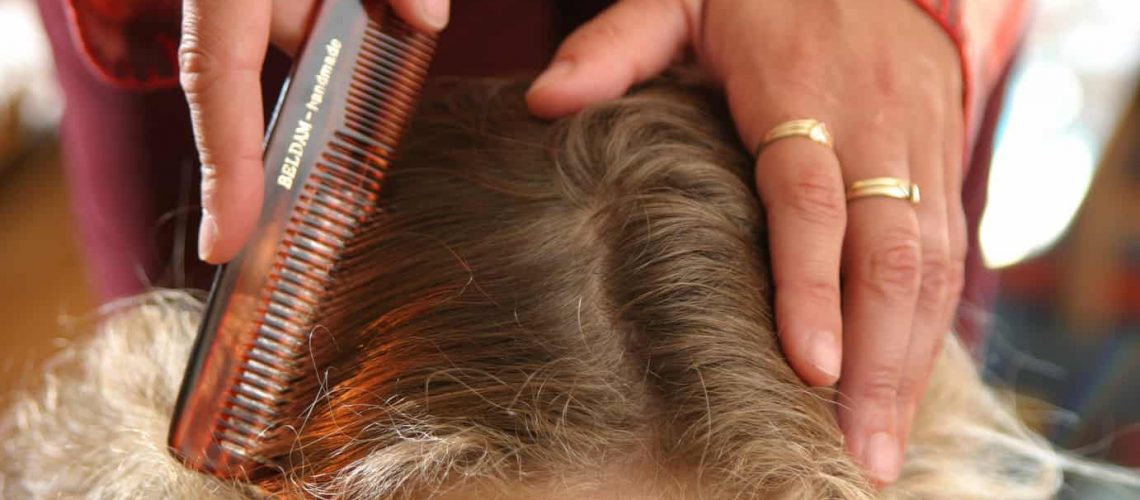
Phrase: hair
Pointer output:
(569, 309)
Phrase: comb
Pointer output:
(333, 135)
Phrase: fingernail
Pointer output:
(881, 457)
(557, 71)
(207, 235)
(825, 353)
(435, 12)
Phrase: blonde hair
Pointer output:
(573, 309)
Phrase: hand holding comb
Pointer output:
(334, 134)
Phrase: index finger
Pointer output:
(221, 54)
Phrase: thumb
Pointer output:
(290, 18)
(425, 15)
(628, 43)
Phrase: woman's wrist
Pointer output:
(948, 15)
(987, 34)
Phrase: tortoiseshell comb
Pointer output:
(353, 88)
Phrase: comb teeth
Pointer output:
(337, 197)
(237, 394)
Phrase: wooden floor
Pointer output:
(42, 282)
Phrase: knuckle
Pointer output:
(885, 79)
(802, 67)
(890, 84)
(895, 265)
(601, 31)
(608, 31)
(196, 70)
(602, 40)
(936, 277)
(210, 180)
(815, 196)
(816, 291)
(881, 388)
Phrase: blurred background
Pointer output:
(1062, 225)
(42, 279)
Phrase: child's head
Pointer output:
(577, 309)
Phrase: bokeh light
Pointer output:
(1064, 101)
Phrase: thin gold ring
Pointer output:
(808, 128)
(890, 187)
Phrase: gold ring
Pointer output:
(890, 187)
(808, 128)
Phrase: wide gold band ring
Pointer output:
(890, 187)
(807, 128)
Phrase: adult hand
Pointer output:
(886, 80)
(223, 48)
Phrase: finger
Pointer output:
(933, 309)
(801, 186)
(954, 168)
(222, 50)
(425, 15)
(290, 17)
(628, 43)
(958, 233)
(882, 266)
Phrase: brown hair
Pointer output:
(557, 298)
(574, 309)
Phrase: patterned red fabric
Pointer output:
(132, 44)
